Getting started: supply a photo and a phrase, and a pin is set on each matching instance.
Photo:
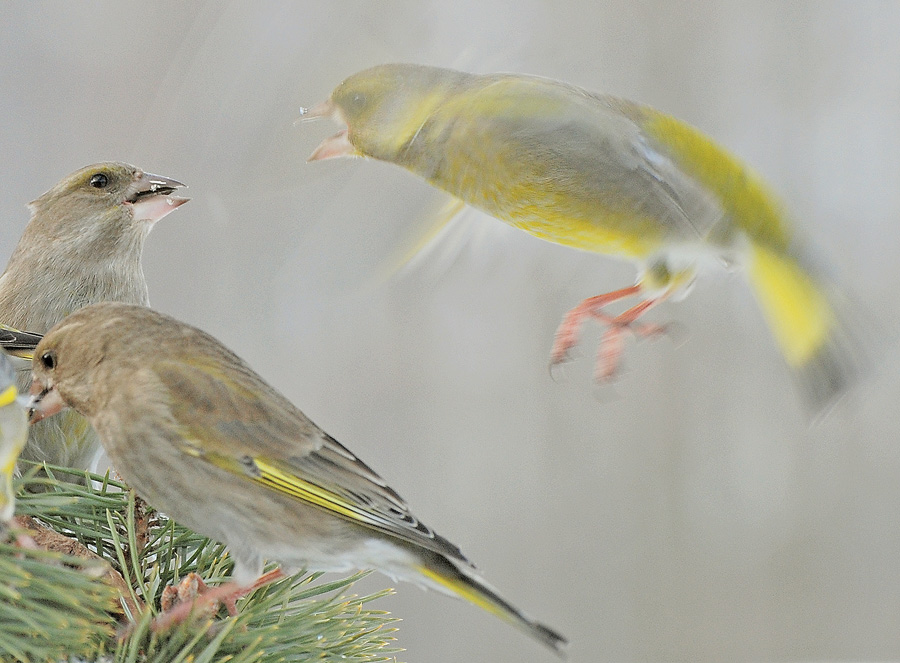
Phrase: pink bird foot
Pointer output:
(193, 596)
(612, 343)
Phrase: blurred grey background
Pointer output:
(687, 513)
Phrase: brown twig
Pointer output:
(48, 539)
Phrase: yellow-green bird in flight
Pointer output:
(600, 174)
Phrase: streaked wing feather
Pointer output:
(253, 430)
(18, 343)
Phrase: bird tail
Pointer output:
(808, 326)
(457, 579)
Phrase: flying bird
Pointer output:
(606, 175)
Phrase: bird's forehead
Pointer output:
(72, 331)
(113, 168)
(78, 183)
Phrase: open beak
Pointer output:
(322, 109)
(151, 197)
(336, 146)
(45, 402)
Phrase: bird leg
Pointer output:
(190, 587)
(612, 342)
(192, 595)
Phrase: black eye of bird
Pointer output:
(99, 181)
(48, 359)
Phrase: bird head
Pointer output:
(65, 365)
(384, 108)
(105, 199)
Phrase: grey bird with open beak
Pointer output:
(82, 245)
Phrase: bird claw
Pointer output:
(612, 343)
(555, 368)
(566, 337)
(190, 587)
(191, 596)
(22, 540)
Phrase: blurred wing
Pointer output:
(434, 233)
(592, 147)
(643, 171)
(18, 343)
(254, 431)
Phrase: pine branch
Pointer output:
(56, 607)
(52, 605)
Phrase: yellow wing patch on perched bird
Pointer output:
(290, 484)
(17, 343)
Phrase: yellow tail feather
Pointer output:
(451, 578)
(795, 307)
(811, 325)
(464, 590)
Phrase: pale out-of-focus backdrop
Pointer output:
(688, 513)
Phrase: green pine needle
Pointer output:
(54, 607)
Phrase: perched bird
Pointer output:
(600, 174)
(202, 437)
(13, 434)
(82, 245)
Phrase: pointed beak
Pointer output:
(323, 109)
(45, 402)
(151, 197)
(338, 145)
(149, 184)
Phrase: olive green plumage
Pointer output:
(206, 440)
(82, 245)
(601, 174)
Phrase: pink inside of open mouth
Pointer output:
(153, 208)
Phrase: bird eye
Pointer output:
(99, 181)
(48, 359)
